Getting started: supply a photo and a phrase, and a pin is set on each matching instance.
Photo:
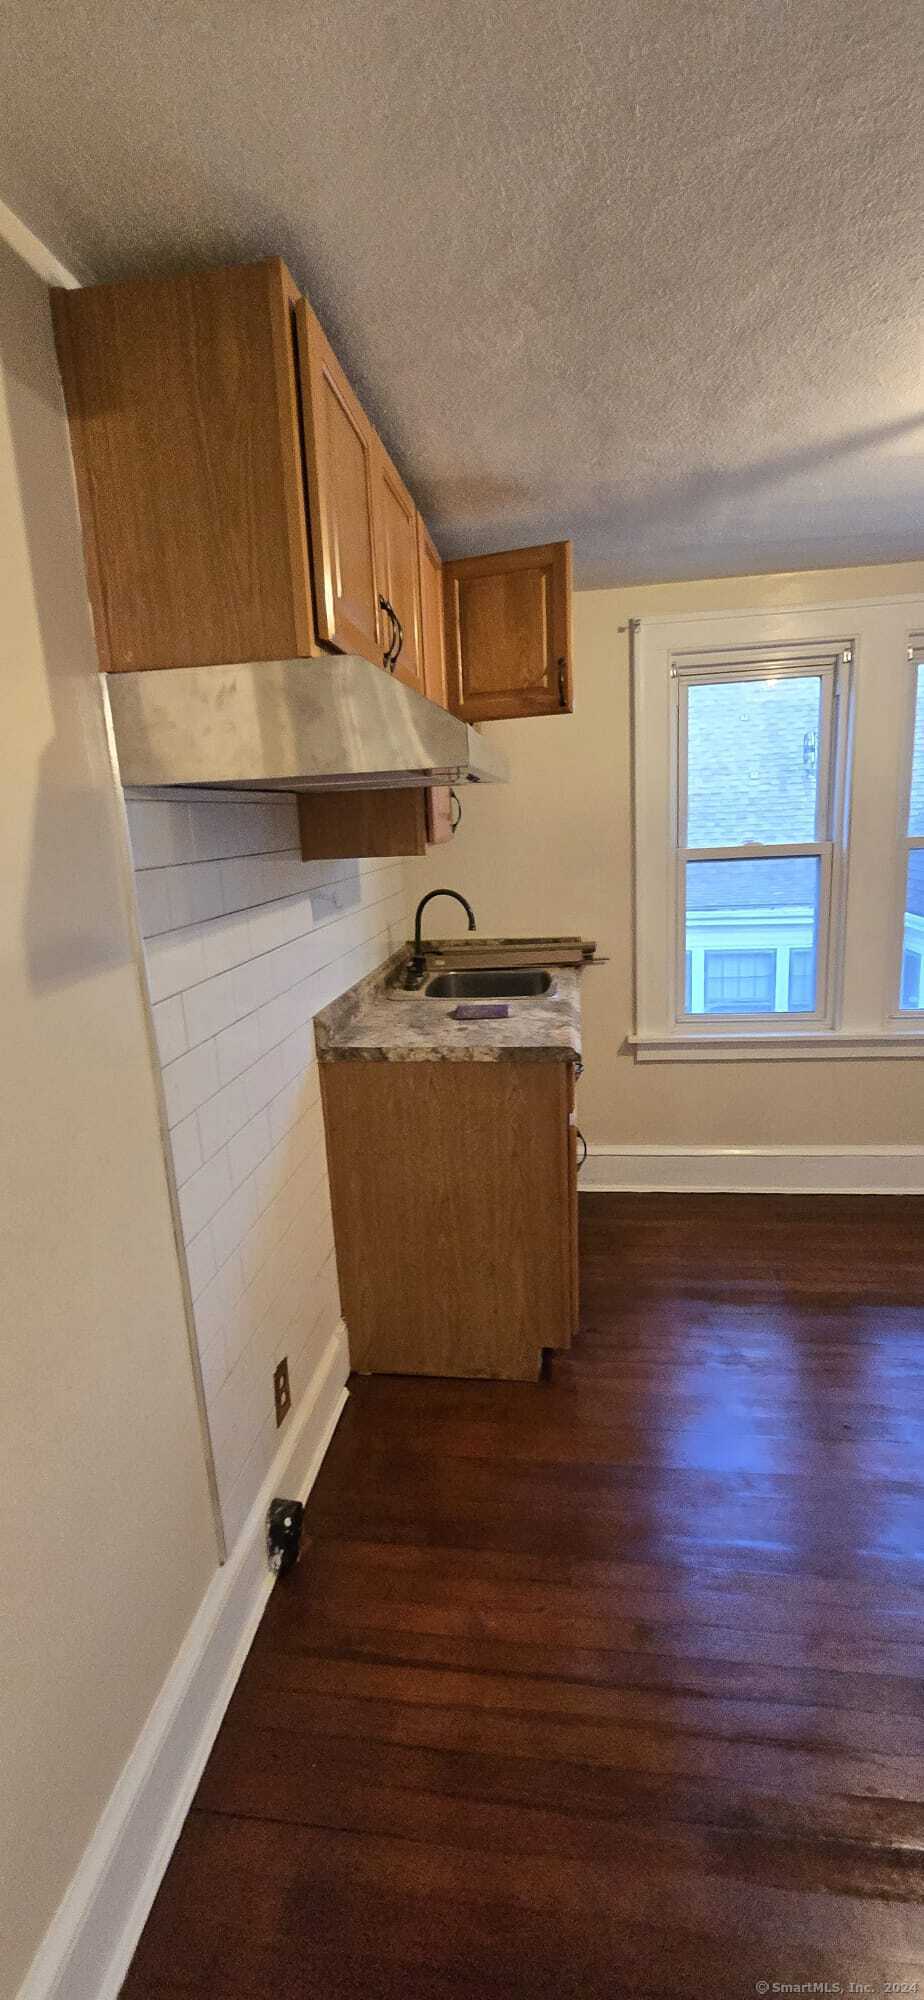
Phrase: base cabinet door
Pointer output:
(450, 1188)
(341, 450)
(508, 633)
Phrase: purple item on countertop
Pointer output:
(480, 1010)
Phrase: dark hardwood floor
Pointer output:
(609, 1685)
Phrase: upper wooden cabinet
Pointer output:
(508, 633)
(396, 550)
(343, 475)
(432, 626)
(237, 504)
(183, 407)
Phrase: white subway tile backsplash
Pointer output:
(263, 1081)
(230, 1225)
(195, 892)
(210, 1006)
(249, 1147)
(186, 1147)
(160, 831)
(200, 1261)
(153, 891)
(214, 1367)
(286, 1107)
(170, 1028)
(238, 1047)
(203, 1195)
(226, 827)
(255, 982)
(174, 961)
(297, 1051)
(221, 1116)
(189, 1081)
(244, 942)
(225, 942)
(215, 1305)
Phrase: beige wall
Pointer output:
(552, 852)
(106, 1536)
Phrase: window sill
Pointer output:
(820, 1046)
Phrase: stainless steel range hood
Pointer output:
(333, 724)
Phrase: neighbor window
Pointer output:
(761, 744)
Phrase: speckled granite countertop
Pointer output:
(377, 1022)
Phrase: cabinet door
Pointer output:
(508, 633)
(432, 628)
(183, 409)
(396, 548)
(341, 446)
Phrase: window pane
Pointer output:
(913, 956)
(740, 915)
(916, 810)
(739, 982)
(752, 761)
(801, 981)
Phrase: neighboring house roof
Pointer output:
(752, 774)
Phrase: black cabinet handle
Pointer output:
(397, 652)
(562, 684)
(389, 656)
(583, 1141)
(454, 800)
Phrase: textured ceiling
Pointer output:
(647, 273)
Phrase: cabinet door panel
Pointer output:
(508, 633)
(396, 531)
(341, 447)
(432, 630)
(183, 410)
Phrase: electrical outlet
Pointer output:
(282, 1394)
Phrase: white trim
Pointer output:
(785, 613)
(33, 251)
(779, 1046)
(859, 940)
(754, 1170)
(89, 1945)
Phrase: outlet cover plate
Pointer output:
(282, 1394)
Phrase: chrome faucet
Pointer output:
(417, 966)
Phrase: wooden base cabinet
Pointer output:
(453, 1189)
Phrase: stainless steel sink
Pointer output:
(490, 983)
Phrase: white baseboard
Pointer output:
(88, 1948)
(754, 1170)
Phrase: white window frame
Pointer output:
(863, 648)
(832, 669)
(906, 842)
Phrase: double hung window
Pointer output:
(779, 795)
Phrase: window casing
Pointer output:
(719, 880)
(827, 847)
(911, 997)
